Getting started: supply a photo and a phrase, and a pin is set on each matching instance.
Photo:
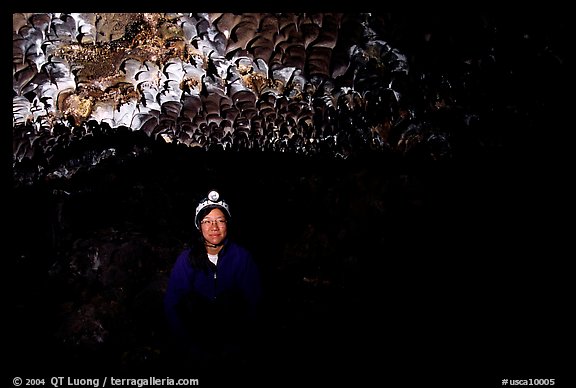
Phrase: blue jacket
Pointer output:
(192, 295)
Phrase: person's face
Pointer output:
(214, 226)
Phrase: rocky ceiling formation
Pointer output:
(280, 82)
(330, 84)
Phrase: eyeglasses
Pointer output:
(219, 222)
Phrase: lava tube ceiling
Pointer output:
(374, 162)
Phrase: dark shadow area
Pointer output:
(372, 267)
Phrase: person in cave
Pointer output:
(214, 292)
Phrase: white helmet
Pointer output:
(211, 201)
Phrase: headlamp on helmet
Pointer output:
(211, 201)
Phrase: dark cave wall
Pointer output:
(346, 248)
(94, 251)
